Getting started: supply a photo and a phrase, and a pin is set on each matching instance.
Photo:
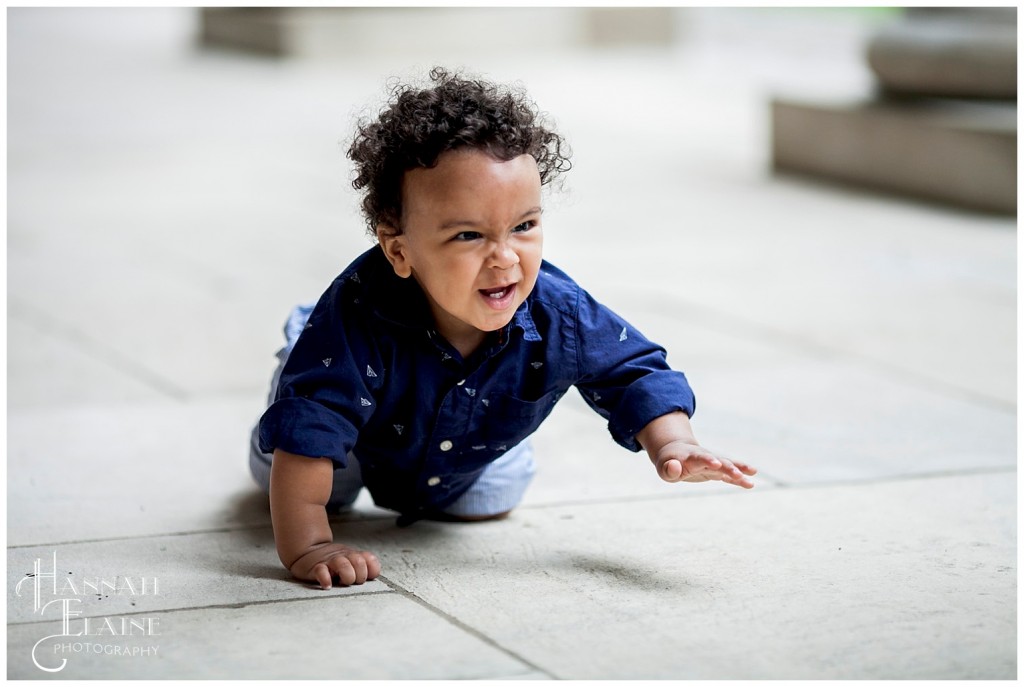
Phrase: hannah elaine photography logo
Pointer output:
(59, 596)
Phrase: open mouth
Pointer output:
(500, 296)
(498, 293)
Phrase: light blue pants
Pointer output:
(499, 488)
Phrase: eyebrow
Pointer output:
(451, 224)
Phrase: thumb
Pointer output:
(671, 470)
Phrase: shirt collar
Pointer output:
(396, 300)
(524, 320)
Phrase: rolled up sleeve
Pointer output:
(624, 376)
(306, 428)
(649, 397)
(327, 392)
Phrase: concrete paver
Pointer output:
(167, 210)
(73, 375)
(860, 581)
(193, 570)
(101, 472)
(854, 582)
(363, 636)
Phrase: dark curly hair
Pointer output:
(418, 125)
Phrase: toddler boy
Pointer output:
(428, 362)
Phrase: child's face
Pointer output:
(472, 239)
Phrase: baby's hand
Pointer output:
(681, 461)
(324, 561)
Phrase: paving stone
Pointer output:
(104, 472)
(821, 593)
(533, 675)
(801, 436)
(214, 349)
(788, 414)
(118, 243)
(45, 370)
(880, 581)
(932, 293)
(807, 416)
(262, 249)
(191, 570)
(115, 471)
(356, 637)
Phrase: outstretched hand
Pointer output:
(681, 461)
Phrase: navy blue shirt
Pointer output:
(370, 375)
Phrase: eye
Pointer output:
(525, 226)
(466, 236)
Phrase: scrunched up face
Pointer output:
(471, 237)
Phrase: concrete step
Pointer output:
(319, 32)
(961, 153)
(952, 52)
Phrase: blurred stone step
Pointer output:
(951, 52)
(961, 153)
(327, 32)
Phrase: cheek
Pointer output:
(531, 257)
(456, 275)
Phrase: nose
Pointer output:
(503, 257)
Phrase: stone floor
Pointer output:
(167, 205)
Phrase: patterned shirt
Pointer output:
(371, 376)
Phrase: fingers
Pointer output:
(700, 467)
(744, 468)
(734, 473)
(347, 566)
(372, 566)
(322, 575)
(354, 567)
(344, 570)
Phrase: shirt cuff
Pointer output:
(646, 399)
(306, 428)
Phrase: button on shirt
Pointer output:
(370, 376)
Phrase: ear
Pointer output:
(392, 242)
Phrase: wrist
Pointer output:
(300, 532)
(665, 430)
(295, 555)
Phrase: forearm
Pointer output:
(664, 430)
(299, 490)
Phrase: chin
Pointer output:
(494, 325)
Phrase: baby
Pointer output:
(426, 365)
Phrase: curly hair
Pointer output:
(418, 125)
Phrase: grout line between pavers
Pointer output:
(50, 326)
(237, 605)
(777, 484)
(780, 485)
(186, 533)
(399, 589)
(906, 477)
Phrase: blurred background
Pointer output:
(813, 210)
(839, 184)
